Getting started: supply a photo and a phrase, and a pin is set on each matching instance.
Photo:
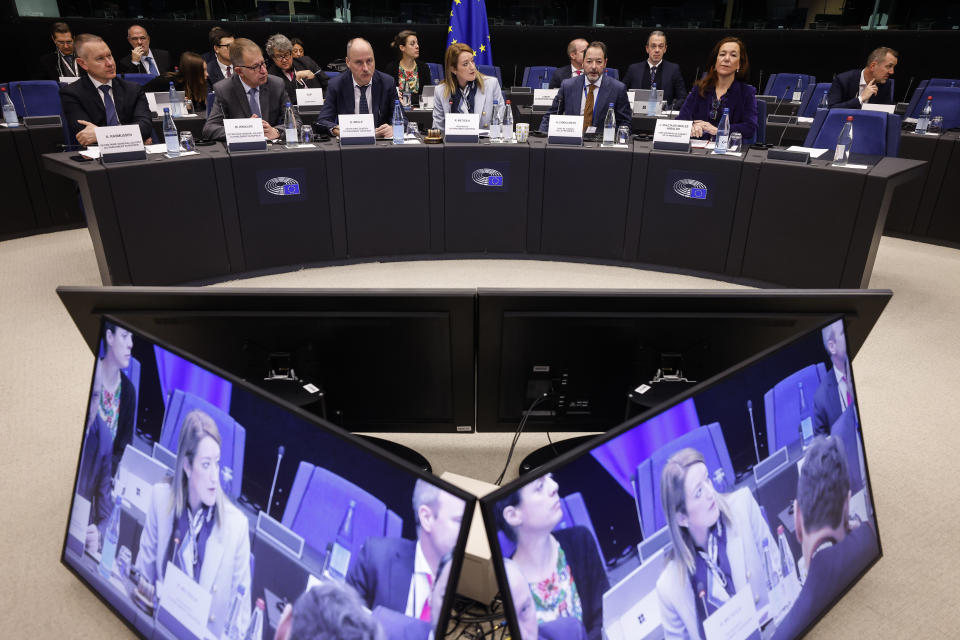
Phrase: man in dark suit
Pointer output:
(63, 61)
(590, 94)
(250, 93)
(397, 573)
(575, 51)
(100, 98)
(217, 59)
(834, 552)
(835, 392)
(656, 69)
(142, 58)
(362, 90)
(851, 89)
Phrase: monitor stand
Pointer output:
(401, 451)
(543, 455)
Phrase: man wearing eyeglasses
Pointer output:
(62, 62)
(142, 58)
(666, 74)
(218, 59)
(250, 93)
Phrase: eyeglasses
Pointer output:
(252, 67)
(714, 109)
(282, 56)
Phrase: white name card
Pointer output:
(307, 97)
(120, 143)
(357, 129)
(565, 130)
(68, 79)
(887, 108)
(426, 102)
(737, 619)
(183, 602)
(672, 135)
(79, 519)
(244, 134)
(461, 127)
(544, 97)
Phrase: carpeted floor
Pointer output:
(907, 374)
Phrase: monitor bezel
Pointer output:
(488, 502)
(469, 499)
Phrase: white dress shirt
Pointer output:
(224, 67)
(586, 89)
(863, 85)
(420, 584)
(97, 84)
(356, 96)
(843, 385)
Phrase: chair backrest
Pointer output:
(574, 514)
(436, 70)
(784, 84)
(781, 405)
(946, 103)
(812, 96)
(489, 70)
(915, 98)
(211, 96)
(613, 73)
(139, 78)
(845, 428)
(875, 133)
(36, 97)
(761, 136)
(318, 502)
(233, 436)
(535, 77)
(133, 374)
(709, 441)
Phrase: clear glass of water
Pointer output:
(186, 141)
(936, 125)
(736, 141)
(306, 134)
(623, 134)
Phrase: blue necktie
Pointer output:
(111, 109)
(152, 67)
(364, 107)
(254, 102)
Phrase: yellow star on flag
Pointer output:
(454, 41)
(449, 29)
(483, 48)
(451, 13)
(457, 1)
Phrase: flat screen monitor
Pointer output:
(248, 514)
(383, 360)
(652, 530)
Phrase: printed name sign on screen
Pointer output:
(357, 129)
(565, 130)
(544, 97)
(461, 127)
(672, 135)
(244, 134)
(120, 143)
(307, 97)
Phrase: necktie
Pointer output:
(849, 395)
(254, 102)
(425, 612)
(152, 67)
(653, 73)
(108, 105)
(588, 109)
(229, 71)
(579, 71)
(364, 107)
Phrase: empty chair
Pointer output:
(318, 501)
(36, 98)
(784, 84)
(875, 133)
(232, 436)
(812, 96)
(761, 136)
(489, 70)
(709, 441)
(140, 78)
(211, 96)
(788, 401)
(913, 110)
(536, 77)
(436, 70)
(946, 103)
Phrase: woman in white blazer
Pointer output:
(718, 546)
(190, 525)
(464, 89)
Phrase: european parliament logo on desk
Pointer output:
(281, 186)
(685, 187)
(490, 176)
(689, 188)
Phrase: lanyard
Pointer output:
(64, 63)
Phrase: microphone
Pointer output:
(696, 76)
(906, 95)
(760, 82)
(26, 114)
(702, 596)
(276, 470)
(753, 428)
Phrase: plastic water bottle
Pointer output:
(9, 111)
(170, 135)
(798, 90)
(609, 127)
(398, 126)
(924, 120)
(255, 628)
(723, 132)
(290, 126)
(175, 104)
(338, 552)
(495, 123)
(231, 630)
(108, 554)
(652, 102)
(773, 577)
(506, 127)
(789, 566)
(823, 101)
(841, 154)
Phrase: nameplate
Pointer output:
(790, 156)
(79, 519)
(37, 121)
(307, 97)
(68, 79)
(244, 134)
(184, 604)
(357, 129)
(544, 97)
(886, 108)
(565, 130)
(461, 127)
(120, 143)
(672, 135)
(737, 619)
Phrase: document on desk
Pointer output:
(814, 153)
(696, 143)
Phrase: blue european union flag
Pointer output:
(699, 194)
(291, 189)
(496, 181)
(468, 24)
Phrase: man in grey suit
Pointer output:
(250, 93)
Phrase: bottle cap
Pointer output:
(166, 109)
(849, 118)
(287, 104)
(929, 97)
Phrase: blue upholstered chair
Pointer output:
(875, 133)
(536, 77)
(784, 84)
(812, 96)
(782, 404)
(489, 70)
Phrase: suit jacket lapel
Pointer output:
(401, 571)
(97, 111)
(376, 93)
(574, 100)
(242, 99)
(212, 557)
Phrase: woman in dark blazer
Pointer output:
(407, 71)
(722, 87)
(296, 73)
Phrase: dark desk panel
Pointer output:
(18, 212)
(585, 192)
(484, 211)
(787, 134)
(684, 230)
(945, 218)
(907, 199)
(60, 203)
(386, 190)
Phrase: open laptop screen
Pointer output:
(651, 531)
(248, 517)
